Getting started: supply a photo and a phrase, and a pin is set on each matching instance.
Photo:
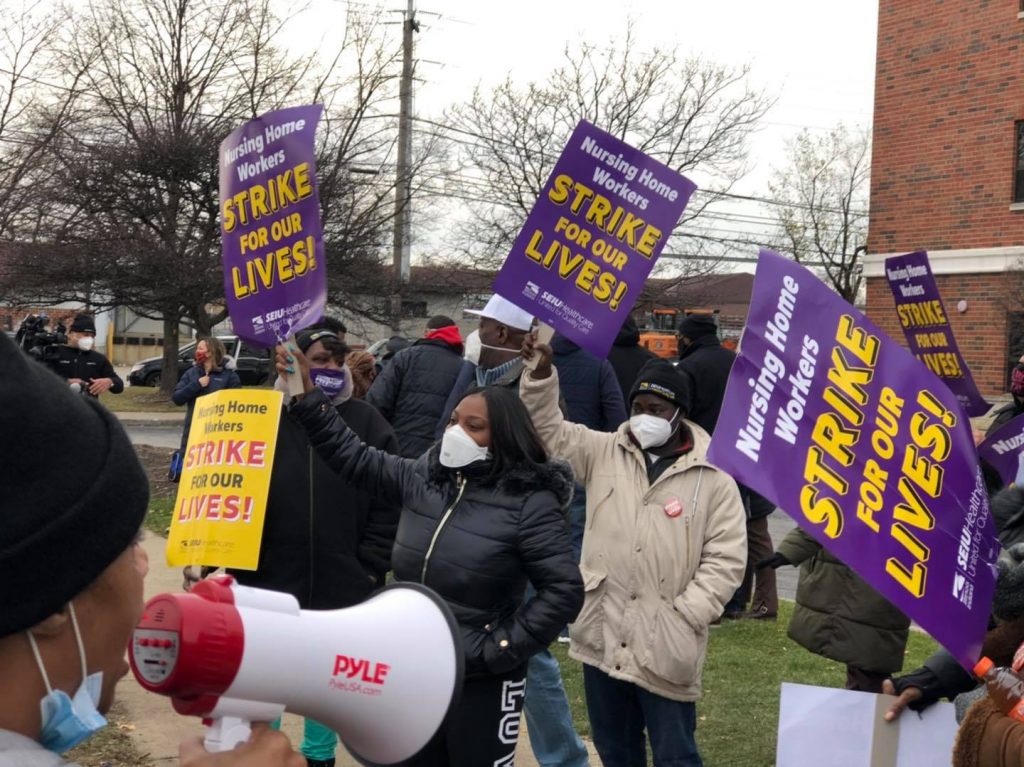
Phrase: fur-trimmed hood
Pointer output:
(554, 475)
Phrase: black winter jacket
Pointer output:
(325, 541)
(475, 541)
(627, 357)
(588, 386)
(708, 363)
(69, 362)
(411, 392)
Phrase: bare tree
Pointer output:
(165, 81)
(136, 189)
(693, 115)
(825, 187)
(29, 119)
(356, 168)
(138, 186)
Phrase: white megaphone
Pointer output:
(382, 674)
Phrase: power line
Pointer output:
(489, 143)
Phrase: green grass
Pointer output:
(144, 399)
(747, 662)
(139, 399)
(572, 680)
(159, 517)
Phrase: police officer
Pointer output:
(85, 370)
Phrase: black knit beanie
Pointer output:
(72, 492)
(307, 338)
(695, 326)
(661, 377)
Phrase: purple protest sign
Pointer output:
(275, 277)
(926, 327)
(592, 237)
(841, 427)
(1003, 448)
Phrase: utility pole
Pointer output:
(403, 185)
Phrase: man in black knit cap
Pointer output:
(707, 362)
(72, 572)
(663, 550)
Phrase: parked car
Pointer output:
(251, 362)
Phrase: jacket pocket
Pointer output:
(588, 628)
(675, 651)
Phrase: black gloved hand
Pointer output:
(775, 561)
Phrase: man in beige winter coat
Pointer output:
(663, 550)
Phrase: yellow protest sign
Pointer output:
(222, 495)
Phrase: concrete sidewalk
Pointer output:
(158, 729)
(128, 417)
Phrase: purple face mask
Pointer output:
(330, 381)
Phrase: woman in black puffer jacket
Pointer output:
(482, 514)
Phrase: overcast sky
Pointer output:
(817, 59)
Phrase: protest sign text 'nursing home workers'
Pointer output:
(275, 277)
(927, 330)
(222, 495)
(859, 442)
(596, 230)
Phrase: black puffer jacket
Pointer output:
(411, 392)
(708, 363)
(325, 542)
(627, 357)
(475, 542)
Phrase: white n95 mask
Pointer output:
(458, 449)
(652, 431)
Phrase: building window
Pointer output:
(414, 309)
(1018, 178)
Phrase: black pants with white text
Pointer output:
(483, 728)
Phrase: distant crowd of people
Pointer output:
(545, 494)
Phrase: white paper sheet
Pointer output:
(824, 726)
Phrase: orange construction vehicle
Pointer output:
(661, 335)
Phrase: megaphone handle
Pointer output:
(226, 733)
(295, 386)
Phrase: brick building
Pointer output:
(948, 169)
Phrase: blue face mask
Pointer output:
(331, 381)
(67, 721)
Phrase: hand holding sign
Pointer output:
(292, 364)
(887, 477)
(538, 354)
(274, 271)
(222, 494)
(594, 234)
